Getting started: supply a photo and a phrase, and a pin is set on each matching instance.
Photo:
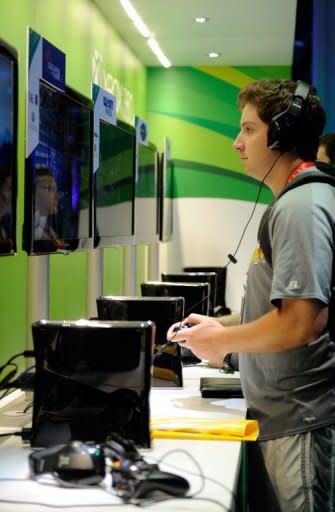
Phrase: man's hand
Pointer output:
(203, 337)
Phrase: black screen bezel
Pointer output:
(11, 54)
(165, 218)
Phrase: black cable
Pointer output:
(25, 353)
(25, 433)
(231, 257)
(24, 381)
(5, 434)
(200, 474)
(28, 406)
(6, 382)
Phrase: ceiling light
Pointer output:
(213, 55)
(145, 32)
(201, 19)
(142, 28)
(158, 52)
(135, 18)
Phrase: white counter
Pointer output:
(219, 461)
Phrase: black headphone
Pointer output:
(71, 464)
(285, 126)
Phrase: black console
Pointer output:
(92, 378)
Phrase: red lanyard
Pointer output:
(298, 169)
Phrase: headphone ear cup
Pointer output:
(282, 134)
(286, 125)
(274, 136)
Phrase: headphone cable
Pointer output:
(231, 257)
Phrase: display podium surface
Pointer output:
(217, 461)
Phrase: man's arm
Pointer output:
(232, 319)
(296, 323)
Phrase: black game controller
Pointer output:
(187, 356)
(183, 325)
(134, 478)
(156, 480)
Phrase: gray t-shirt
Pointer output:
(294, 390)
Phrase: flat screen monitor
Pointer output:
(146, 187)
(163, 311)
(196, 295)
(165, 194)
(92, 378)
(221, 272)
(58, 181)
(8, 148)
(114, 185)
(196, 277)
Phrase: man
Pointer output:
(286, 356)
(326, 150)
(46, 205)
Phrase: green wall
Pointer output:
(78, 28)
(196, 108)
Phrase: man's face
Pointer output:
(46, 195)
(6, 191)
(251, 142)
(322, 155)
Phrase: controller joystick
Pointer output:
(183, 325)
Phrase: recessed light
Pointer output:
(201, 19)
(213, 55)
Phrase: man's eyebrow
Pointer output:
(248, 122)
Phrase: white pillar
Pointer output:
(129, 270)
(37, 292)
(94, 281)
(154, 263)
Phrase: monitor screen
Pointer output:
(114, 185)
(220, 301)
(165, 194)
(163, 311)
(196, 295)
(146, 205)
(196, 277)
(92, 378)
(8, 149)
(58, 192)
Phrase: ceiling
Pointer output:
(244, 32)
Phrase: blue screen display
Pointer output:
(60, 172)
(7, 221)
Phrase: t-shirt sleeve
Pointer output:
(301, 234)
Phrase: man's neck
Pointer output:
(282, 170)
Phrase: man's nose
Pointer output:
(238, 143)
